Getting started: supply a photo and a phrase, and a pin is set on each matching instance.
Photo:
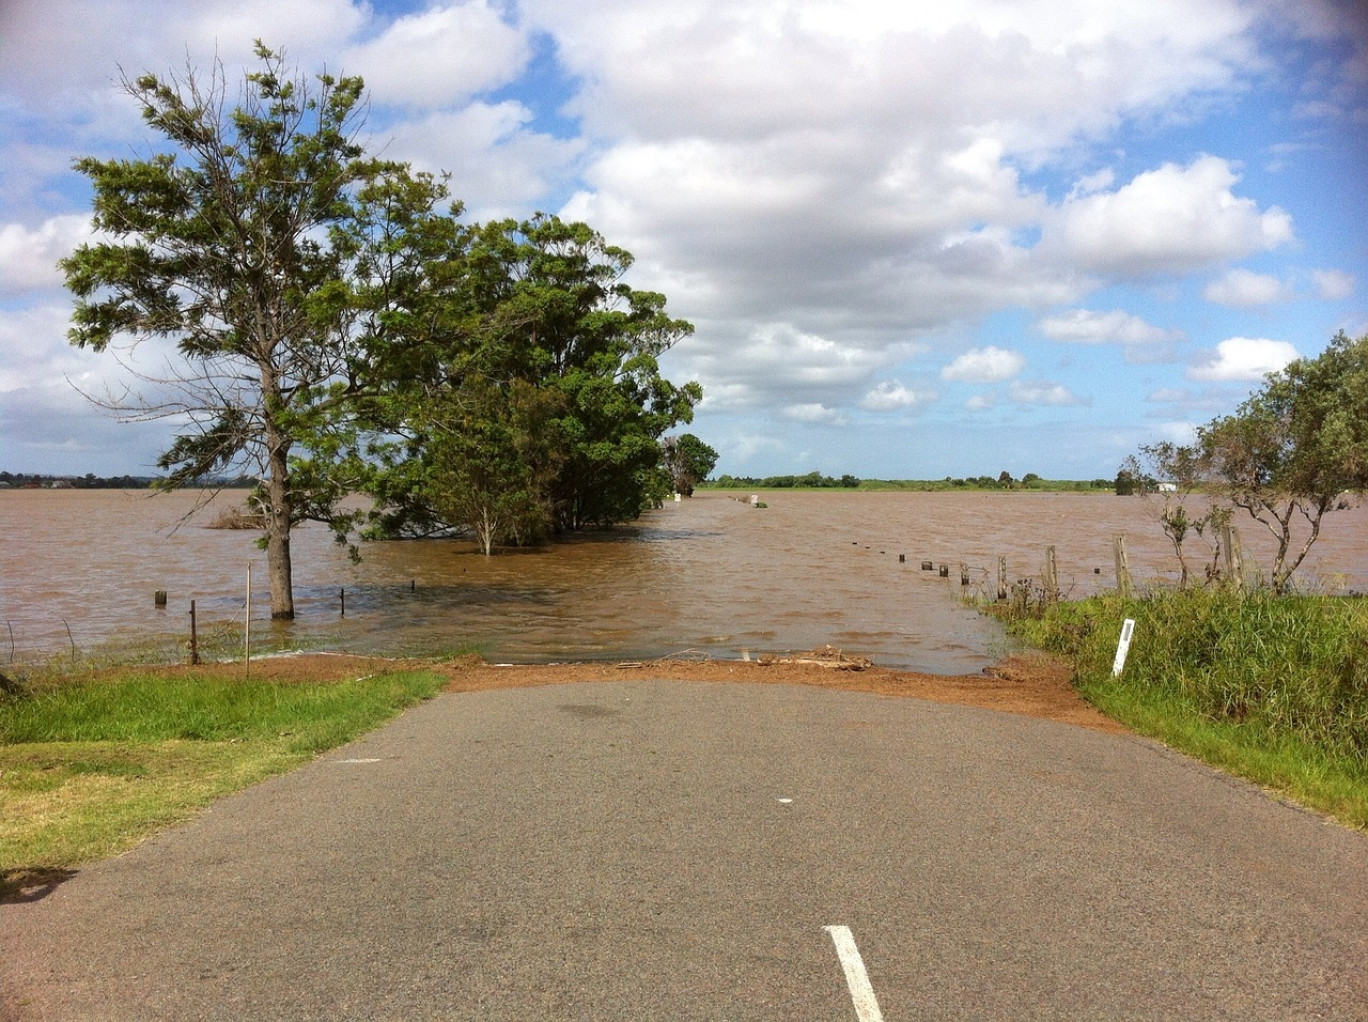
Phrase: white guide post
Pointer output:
(247, 620)
(1123, 647)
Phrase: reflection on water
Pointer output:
(710, 574)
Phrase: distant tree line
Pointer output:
(1003, 481)
(813, 480)
(90, 481)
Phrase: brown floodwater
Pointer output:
(709, 574)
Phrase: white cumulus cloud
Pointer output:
(1241, 287)
(440, 55)
(985, 365)
(1084, 326)
(1041, 392)
(1333, 285)
(1167, 221)
(816, 412)
(892, 395)
(1243, 359)
(498, 165)
(28, 258)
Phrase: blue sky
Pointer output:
(950, 239)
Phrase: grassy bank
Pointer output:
(1274, 689)
(92, 763)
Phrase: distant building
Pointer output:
(1166, 487)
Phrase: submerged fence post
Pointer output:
(1234, 556)
(1002, 578)
(1123, 575)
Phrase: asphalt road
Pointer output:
(676, 851)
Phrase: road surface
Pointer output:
(687, 851)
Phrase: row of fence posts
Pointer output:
(1231, 553)
(1230, 546)
(159, 601)
(1049, 574)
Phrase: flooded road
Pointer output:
(710, 574)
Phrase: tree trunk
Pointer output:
(278, 517)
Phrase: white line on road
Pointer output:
(866, 1005)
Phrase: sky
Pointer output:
(915, 240)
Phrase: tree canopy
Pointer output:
(223, 246)
(339, 329)
(689, 461)
(540, 392)
(1295, 451)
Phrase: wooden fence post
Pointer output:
(1234, 556)
(1051, 575)
(1002, 578)
(1123, 575)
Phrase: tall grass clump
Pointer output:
(1272, 687)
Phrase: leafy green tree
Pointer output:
(225, 244)
(1175, 474)
(689, 461)
(596, 342)
(492, 457)
(537, 307)
(1296, 449)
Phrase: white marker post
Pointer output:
(1123, 647)
(247, 623)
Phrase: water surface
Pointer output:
(710, 574)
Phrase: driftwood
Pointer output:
(828, 656)
(683, 656)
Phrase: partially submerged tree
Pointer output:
(1297, 449)
(1174, 473)
(223, 245)
(339, 332)
(556, 359)
(689, 461)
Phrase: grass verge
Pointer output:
(92, 764)
(1272, 689)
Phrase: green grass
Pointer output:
(1273, 689)
(91, 765)
(147, 707)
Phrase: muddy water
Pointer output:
(710, 574)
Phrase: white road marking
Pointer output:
(866, 1005)
(356, 761)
